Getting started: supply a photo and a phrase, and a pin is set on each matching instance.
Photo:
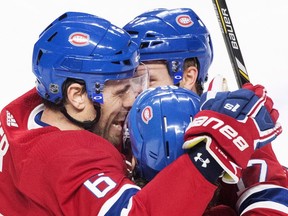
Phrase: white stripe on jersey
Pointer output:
(265, 205)
(269, 204)
(110, 202)
(254, 190)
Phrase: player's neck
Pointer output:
(57, 119)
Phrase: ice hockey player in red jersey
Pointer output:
(262, 189)
(163, 36)
(156, 133)
(51, 161)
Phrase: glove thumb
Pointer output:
(194, 141)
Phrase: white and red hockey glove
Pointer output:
(232, 125)
(218, 83)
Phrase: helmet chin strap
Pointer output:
(87, 125)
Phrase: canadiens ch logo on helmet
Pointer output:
(184, 20)
(79, 39)
(147, 114)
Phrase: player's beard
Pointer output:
(105, 131)
(115, 140)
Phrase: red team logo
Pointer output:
(184, 20)
(79, 39)
(147, 114)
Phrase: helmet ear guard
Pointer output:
(84, 47)
(173, 35)
(156, 123)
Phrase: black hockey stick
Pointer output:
(231, 42)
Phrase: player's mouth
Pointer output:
(118, 125)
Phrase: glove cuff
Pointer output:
(210, 159)
(205, 163)
(232, 170)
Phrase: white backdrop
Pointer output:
(260, 26)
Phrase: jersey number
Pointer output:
(105, 182)
(4, 145)
(263, 168)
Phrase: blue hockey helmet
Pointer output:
(82, 46)
(173, 35)
(156, 123)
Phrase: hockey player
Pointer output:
(51, 164)
(263, 188)
(155, 32)
(50, 161)
(175, 45)
(157, 121)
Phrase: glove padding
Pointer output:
(233, 125)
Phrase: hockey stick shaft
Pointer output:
(231, 42)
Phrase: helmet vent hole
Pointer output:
(155, 43)
(39, 56)
(62, 16)
(144, 45)
(127, 62)
(149, 35)
(116, 62)
(167, 149)
(119, 53)
(133, 33)
(153, 155)
(52, 36)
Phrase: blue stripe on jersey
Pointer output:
(38, 121)
(120, 201)
(273, 195)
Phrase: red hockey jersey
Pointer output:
(264, 185)
(46, 171)
(263, 188)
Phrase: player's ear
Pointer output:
(189, 78)
(76, 96)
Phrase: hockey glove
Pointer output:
(232, 125)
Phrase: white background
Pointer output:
(260, 26)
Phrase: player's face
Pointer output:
(118, 99)
(158, 73)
